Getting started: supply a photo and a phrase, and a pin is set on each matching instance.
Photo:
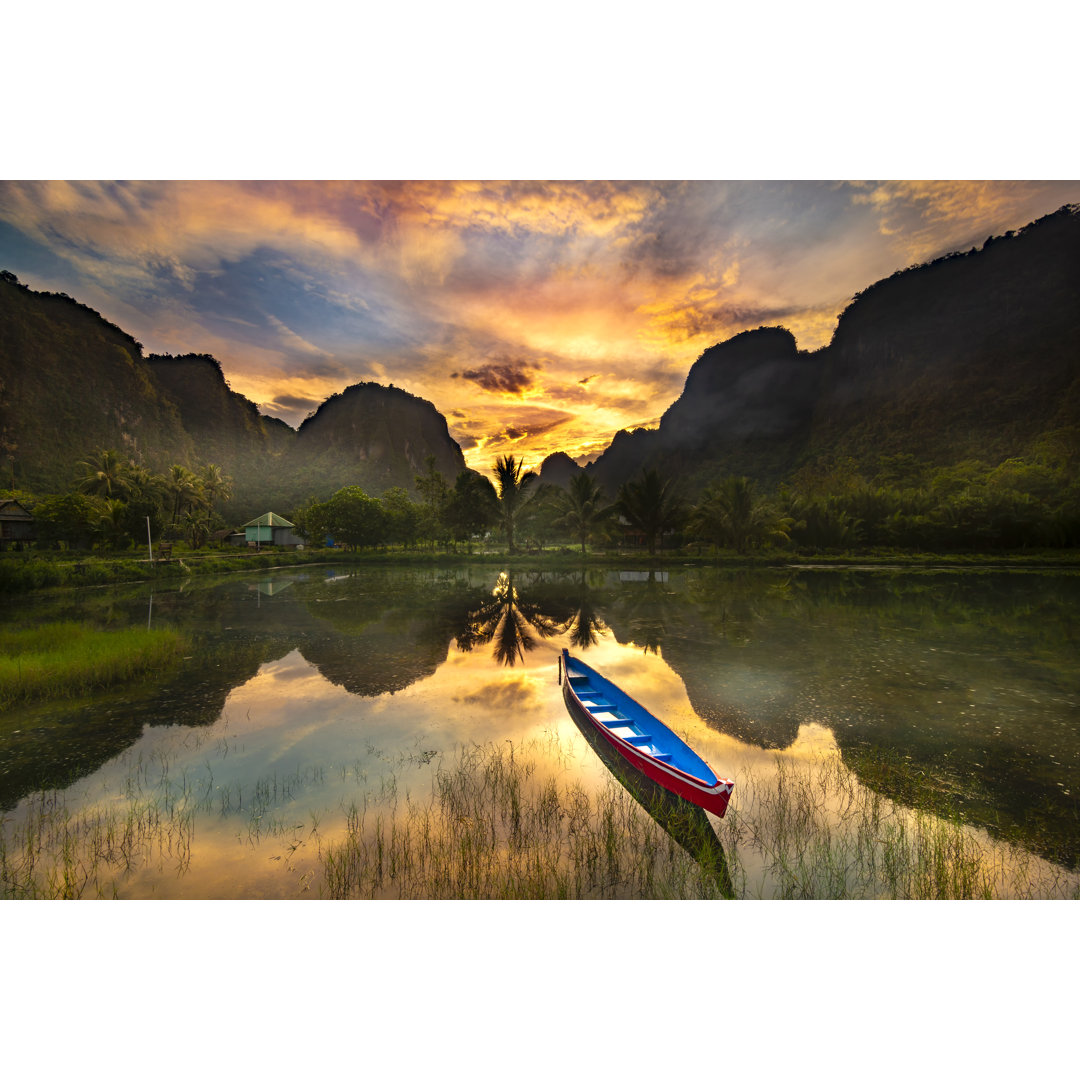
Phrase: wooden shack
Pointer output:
(16, 524)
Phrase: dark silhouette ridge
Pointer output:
(71, 383)
(970, 355)
(386, 431)
(559, 469)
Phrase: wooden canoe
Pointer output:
(640, 738)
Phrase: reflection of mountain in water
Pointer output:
(385, 636)
(958, 692)
(370, 635)
(61, 742)
(963, 685)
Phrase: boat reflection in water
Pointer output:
(687, 824)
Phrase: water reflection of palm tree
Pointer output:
(507, 619)
(688, 825)
(585, 622)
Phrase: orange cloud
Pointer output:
(543, 315)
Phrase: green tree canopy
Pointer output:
(733, 514)
(651, 505)
(356, 518)
(401, 515)
(473, 506)
(583, 508)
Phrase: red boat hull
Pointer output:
(714, 799)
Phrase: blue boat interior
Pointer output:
(628, 720)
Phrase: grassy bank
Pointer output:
(29, 572)
(68, 659)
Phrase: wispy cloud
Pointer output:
(583, 302)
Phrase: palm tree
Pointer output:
(106, 473)
(112, 522)
(733, 513)
(585, 622)
(513, 489)
(183, 487)
(651, 505)
(583, 513)
(215, 485)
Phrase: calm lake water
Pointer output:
(308, 695)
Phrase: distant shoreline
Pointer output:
(27, 572)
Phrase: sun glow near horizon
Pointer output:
(535, 316)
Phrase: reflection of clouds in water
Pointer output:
(271, 698)
(291, 667)
(517, 693)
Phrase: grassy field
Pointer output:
(68, 658)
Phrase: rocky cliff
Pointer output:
(378, 437)
(974, 355)
(71, 382)
(746, 406)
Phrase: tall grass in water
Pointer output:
(811, 830)
(506, 822)
(61, 854)
(56, 846)
(493, 829)
(66, 659)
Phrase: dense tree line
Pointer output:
(899, 503)
(116, 504)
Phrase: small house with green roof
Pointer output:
(273, 530)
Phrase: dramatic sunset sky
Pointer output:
(536, 316)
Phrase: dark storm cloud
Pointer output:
(506, 378)
(719, 321)
(545, 420)
(289, 401)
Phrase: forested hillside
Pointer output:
(944, 413)
(974, 356)
(72, 385)
(71, 382)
